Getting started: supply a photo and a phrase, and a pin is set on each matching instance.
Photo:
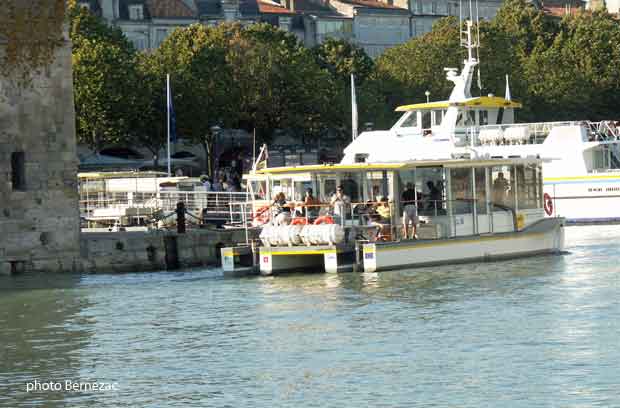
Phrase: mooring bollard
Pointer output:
(180, 217)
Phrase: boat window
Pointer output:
(426, 119)
(351, 184)
(328, 188)
(528, 187)
(259, 188)
(500, 116)
(481, 191)
(437, 117)
(471, 118)
(431, 191)
(462, 192)
(604, 158)
(459, 120)
(285, 186)
(503, 187)
(484, 117)
(300, 189)
(411, 120)
(379, 185)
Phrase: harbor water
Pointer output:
(534, 332)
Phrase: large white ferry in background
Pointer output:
(581, 182)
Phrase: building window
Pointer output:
(160, 36)
(136, 12)
(18, 171)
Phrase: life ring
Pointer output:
(548, 204)
(299, 221)
(325, 219)
(261, 216)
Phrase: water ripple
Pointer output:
(532, 332)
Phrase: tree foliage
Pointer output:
(559, 69)
(105, 80)
(279, 85)
(200, 82)
(341, 59)
(259, 77)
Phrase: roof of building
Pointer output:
(372, 4)
(214, 7)
(310, 6)
(169, 9)
(209, 7)
(248, 7)
(270, 7)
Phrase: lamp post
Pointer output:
(427, 93)
(215, 131)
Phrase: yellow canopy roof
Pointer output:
(478, 102)
(120, 174)
(318, 168)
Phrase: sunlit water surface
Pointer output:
(534, 332)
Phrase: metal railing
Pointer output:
(206, 204)
(367, 220)
(534, 133)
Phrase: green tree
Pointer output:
(341, 59)
(404, 73)
(201, 83)
(573, 78)
(105, 76)
(277, 80)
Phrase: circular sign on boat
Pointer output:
(548, 203)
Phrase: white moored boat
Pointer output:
(474, 201)
(582, 181)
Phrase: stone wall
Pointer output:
(151, 251)
(39, 221)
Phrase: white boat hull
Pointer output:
(544, 237)
(585, 199)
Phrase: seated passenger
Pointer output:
(383, 209)
(281, 210)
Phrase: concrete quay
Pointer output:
(132, 251)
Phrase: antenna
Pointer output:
(478, 45)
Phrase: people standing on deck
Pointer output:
(500, 189)
(311, 205)
(410, 211)
(340, 202)
(434, 196)
(206, 183)
(281, 210)
(217, 185)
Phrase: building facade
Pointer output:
(39, 217)
(370, 24)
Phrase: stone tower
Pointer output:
(39, 215)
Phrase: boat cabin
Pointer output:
(457, 197)
(457, 117)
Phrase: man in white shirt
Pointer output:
(341, 204)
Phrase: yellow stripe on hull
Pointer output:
(456, 241)
(304, 252)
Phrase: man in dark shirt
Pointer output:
(410, 211)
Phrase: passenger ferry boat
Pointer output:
(475, 200)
